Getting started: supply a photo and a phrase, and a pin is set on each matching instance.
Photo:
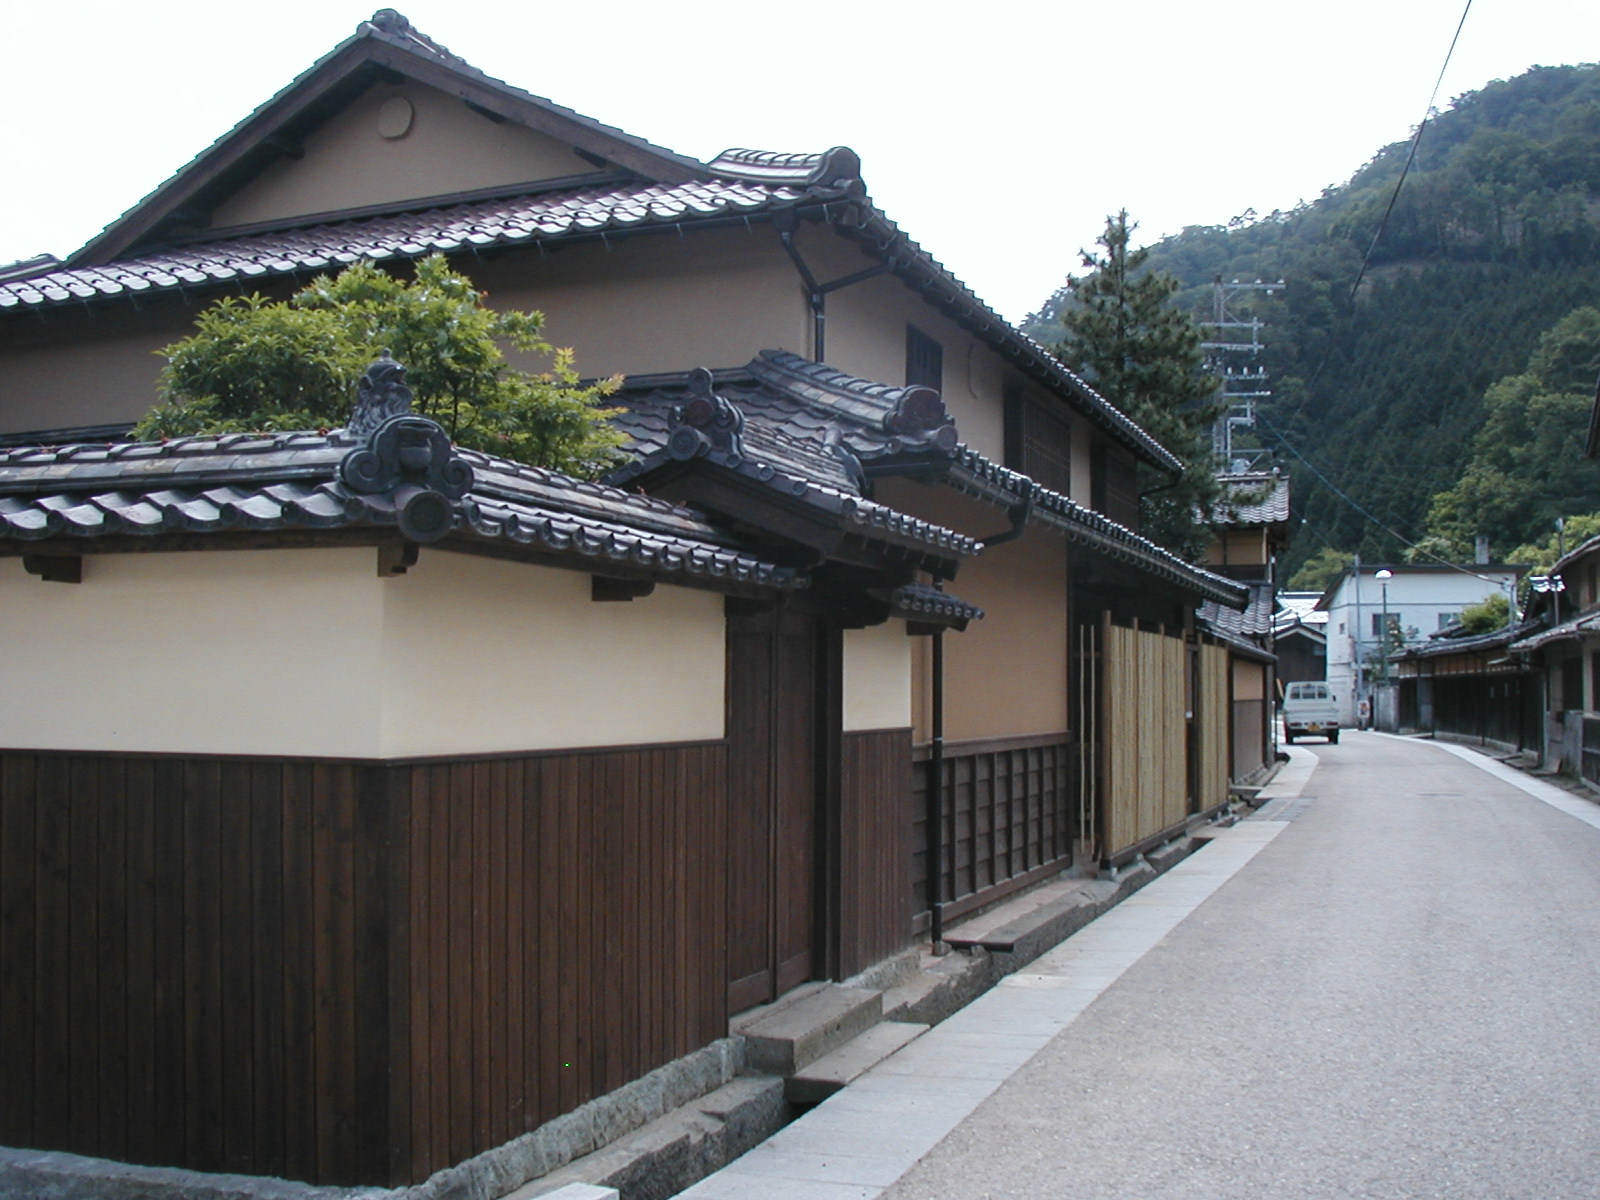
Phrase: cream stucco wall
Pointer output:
(877, 677)
(482, 655)
(100, 380)
(349, 163)
(1006, 675)
(310, 652)
(659, 303)
(1249, 680)
(866, 336)
(260, 652)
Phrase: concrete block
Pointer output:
(833, 1071)
(783, 1040)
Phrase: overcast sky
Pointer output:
(999, 134)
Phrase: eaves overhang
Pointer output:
(972, 473)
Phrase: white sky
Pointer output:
(997, 134)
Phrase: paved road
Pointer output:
(1397, 996)
(1385, 985)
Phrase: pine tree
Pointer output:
(1123, 335)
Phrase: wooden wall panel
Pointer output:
(875, 842)
(348, 973)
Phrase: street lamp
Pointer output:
(1383, 578)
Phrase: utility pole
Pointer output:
(1234, 357)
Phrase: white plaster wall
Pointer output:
(877, 677)
(481, 655)
(218, 652)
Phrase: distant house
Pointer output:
(1300, 637)
(1249, 531)
(1416, 600)
(366, 802)
(1563, 653)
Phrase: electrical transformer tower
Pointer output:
(1234, 357)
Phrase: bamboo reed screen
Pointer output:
(1146, 736)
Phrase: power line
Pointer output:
(1399, 537)
(1412, 156)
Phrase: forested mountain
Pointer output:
(1494, 239)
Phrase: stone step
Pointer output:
(785, 1038)
(815, 1083)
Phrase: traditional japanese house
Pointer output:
(441, 803)
(1250, 529)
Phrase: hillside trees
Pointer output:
(260, 365)
(1383, 391)
(1120, 331)
(1524, 469)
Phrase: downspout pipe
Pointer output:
(1020, 515)
(935, 801)
(786, 223)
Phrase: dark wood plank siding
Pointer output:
(1010, 815)
(875, 847)
(348, 973)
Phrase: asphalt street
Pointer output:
(1397, 996)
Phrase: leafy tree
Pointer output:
(258, 365)
(1525, 468)
(1491, 613)
(1320, 570)
(1122, 333)
(1541, 555)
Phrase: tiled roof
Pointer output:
(1253, 499)
(919, 602)
(982, 477)
(751, 431)
(1253, 621)
(1525, 637)
(481, 225)
(305, 481)
(795, 402)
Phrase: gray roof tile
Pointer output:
(285, 482)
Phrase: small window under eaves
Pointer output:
(924, 360)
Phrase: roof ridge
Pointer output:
(837, 166)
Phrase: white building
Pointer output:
(1416, 600)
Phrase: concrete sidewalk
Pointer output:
(858, 1142)
(1295, 1107)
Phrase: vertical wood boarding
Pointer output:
(351, 973)
(1145, 736)
(875, 847)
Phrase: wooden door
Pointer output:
(772, 800)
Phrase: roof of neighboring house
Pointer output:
(1529, 636)
(1257, 498)
(833, 432)
(1300, 609)
(640, 188)
(398, 476)
(1253, 621)
(1581, 550)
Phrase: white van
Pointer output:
(1310, 708)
